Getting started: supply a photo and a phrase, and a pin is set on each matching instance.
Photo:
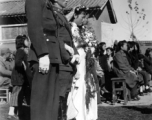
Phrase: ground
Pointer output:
(125, 113)
(134, 110)
(106, 113)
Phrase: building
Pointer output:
(13, 18)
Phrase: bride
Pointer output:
(82, 100)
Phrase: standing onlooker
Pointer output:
(11, 61)
(109, 74)
(19, 77)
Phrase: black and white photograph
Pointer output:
(75, 60)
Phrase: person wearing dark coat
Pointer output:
(104, 83)
(123, 69)
(46, 53)
(136, 61)
(18, 77)
(147, 60)
(66, 70)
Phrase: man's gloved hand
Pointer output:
(44, 64)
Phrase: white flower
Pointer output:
(89, 34)
(87, 40)
(75, 30)
(89, 44)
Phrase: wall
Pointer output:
(8, 33)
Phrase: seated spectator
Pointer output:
(137, 64)
(10, 61)
(102, 61)
(123, 69)
(148, 65)
(102, 56)
(109, 74)
(109, 53)
(5, 72)
(115, 47)
(100, 75)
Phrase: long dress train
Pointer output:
(77, 97)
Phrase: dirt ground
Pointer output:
(104, 112)
(134, 110)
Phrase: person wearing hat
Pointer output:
(5, 73)
(66, 71)
(45, 55)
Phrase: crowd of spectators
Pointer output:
(124, 60)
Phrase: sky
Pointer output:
(120, 30)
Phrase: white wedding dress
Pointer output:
(76, 100)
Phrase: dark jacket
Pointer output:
(65, 35)
(148, 65)
(103, 62)
(19, 74)
(133, 60)
(122, 68)
(43, 31)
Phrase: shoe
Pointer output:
(105, 90)
(141, 94)
(148, 90)
(136, 98)
(10, 117)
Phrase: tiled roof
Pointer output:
(16, 7)
(87, 3)
(11, 8)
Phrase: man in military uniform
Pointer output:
(45, 55)
(67, 71)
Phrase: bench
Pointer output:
(123, 89)
(4, 94)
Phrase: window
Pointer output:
(10, 32)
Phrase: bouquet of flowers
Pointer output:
(85, 37)
(88, 35)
